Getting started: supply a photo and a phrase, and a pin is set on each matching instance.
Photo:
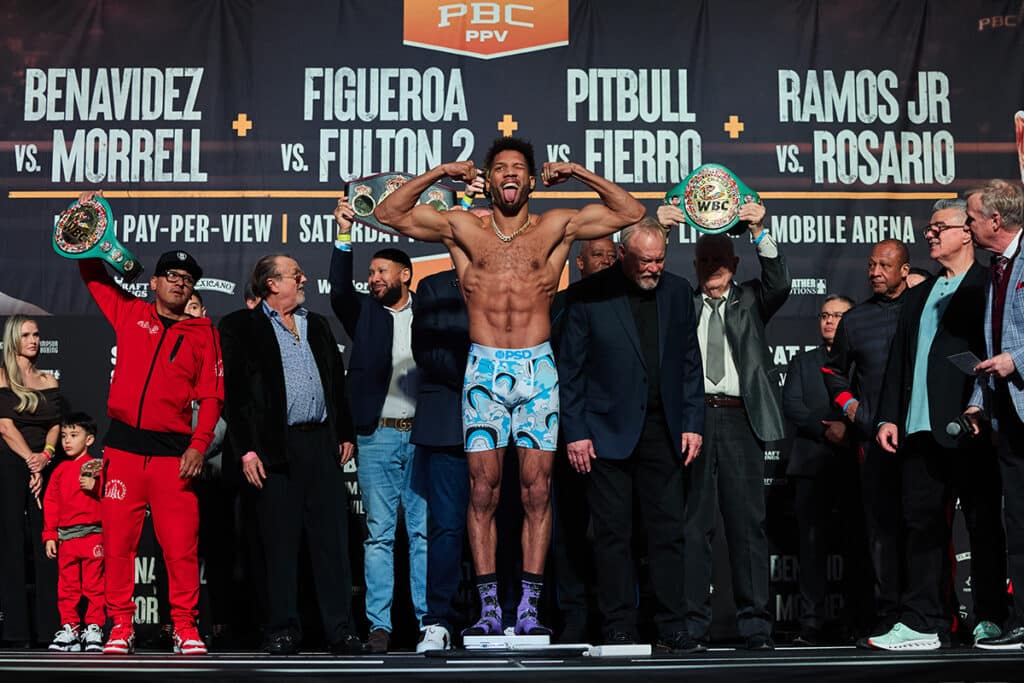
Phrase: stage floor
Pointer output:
(720, 664)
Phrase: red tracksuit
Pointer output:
(79, 560)
(159, 371)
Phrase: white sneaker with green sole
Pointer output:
(901, 638)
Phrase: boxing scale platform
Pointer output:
(526, 659)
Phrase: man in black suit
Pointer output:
(632, 415)
(572, 562)
(440, 345)
(924, 392)
(854, 374)
(287, 412)
(741, 392)
(821, 466)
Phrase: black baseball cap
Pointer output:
(178, 260)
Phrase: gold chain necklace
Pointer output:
(294, 331)
(508, 238)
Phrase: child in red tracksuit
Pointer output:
(73, 536)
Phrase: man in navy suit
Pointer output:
(995, 213)
(822, 465)
(923, 393)
(632, 415)
(382, 378)
(440, 345)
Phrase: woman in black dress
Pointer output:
(30, 409)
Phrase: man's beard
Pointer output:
(390, 296)
(499, 203)
(647, 283)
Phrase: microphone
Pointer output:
(955, 429)
(961, 427)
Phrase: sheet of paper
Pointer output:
(965, 361)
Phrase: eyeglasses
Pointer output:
(939, 228)
(175, 277)
(829, 316)
(297, 276)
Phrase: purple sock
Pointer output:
(490, 609)
(527, 621)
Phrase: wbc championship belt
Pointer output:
(86, 230)
(711, 197)
(366, 193)
(91, 468)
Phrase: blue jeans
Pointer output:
(448, 500)
(390, 474)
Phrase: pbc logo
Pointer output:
(151, 328)
(486, 29)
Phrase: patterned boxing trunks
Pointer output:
(510, 392)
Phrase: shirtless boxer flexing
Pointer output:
(509, 264)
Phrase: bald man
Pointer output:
(854, 373)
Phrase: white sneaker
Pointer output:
(434, 637)
(66, 640)
(92, 638)
(902, 637)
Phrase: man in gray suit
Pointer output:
(995, 212)
(743, 410)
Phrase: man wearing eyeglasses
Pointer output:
(821, 465)
(854, 373)
(287, 412)
(166, 358)
(924, 392)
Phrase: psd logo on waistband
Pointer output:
(513, 354)
(486, 30)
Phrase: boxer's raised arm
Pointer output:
(401, 210)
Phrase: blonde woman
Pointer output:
(30, 408)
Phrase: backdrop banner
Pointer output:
(229, 128)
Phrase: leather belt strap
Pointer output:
(307, 426)
(718, 401)
(402, 424)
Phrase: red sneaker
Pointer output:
(121, 640)
(188, 642)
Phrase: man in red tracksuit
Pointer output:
(166, 359)
(73, 536)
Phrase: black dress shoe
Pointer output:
(348, 645)
(619, 638)
(808, 637)
(680, 644)
(1013, 639)
(573, 633)
(759, 642)
(282, 644)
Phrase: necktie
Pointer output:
(999, 268)
(715, 369)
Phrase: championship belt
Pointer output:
(366, 193)
(91, 467)
(1018, 126)
(711, 197)
(86, 230)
